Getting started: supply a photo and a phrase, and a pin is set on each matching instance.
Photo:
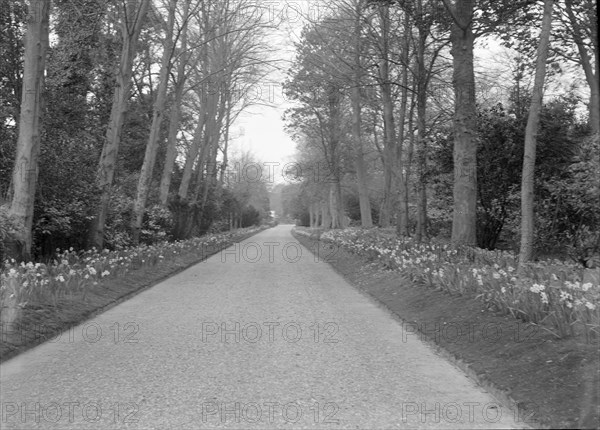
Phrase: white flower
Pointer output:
(503, 290)
(60, 278)
(590, 306)
(537, 288)
(510, 269)
(105, 273)
(565, 296)
(92, 270)
(496, 275)
(544, 297)
(586, 286)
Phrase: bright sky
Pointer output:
(260, 129)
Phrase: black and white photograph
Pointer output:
(299, 214)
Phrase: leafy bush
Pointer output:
(158, 223)
(250, 216)
(219, 226)
(8, 232)
(568, 213)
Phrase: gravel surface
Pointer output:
(262, 335)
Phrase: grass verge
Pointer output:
(553, 383)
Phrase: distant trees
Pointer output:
(320, 117)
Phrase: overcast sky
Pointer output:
(260, 129)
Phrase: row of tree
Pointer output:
(397, 78)
(115, 118)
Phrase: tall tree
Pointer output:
(133, 17)
(25, 171)
(390, 145)
(423, 24)
(465, 125)
(404, 163)
(157, 119)
(361, 179)
(527, 179)
(175, 113)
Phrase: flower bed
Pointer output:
(73, 273)
(553, 294)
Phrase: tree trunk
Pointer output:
(409, 160)
(390, 150)
(225, 141)
(402, 178)
(192, 154)
(421, 232)
(139, 206)
(361, 174)
(175, 114)
(213, 130)
(335, 205)
(591, 76)
(465, 126)
(25, 171)
(527, 179)
(131, 26)
(325, 216)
